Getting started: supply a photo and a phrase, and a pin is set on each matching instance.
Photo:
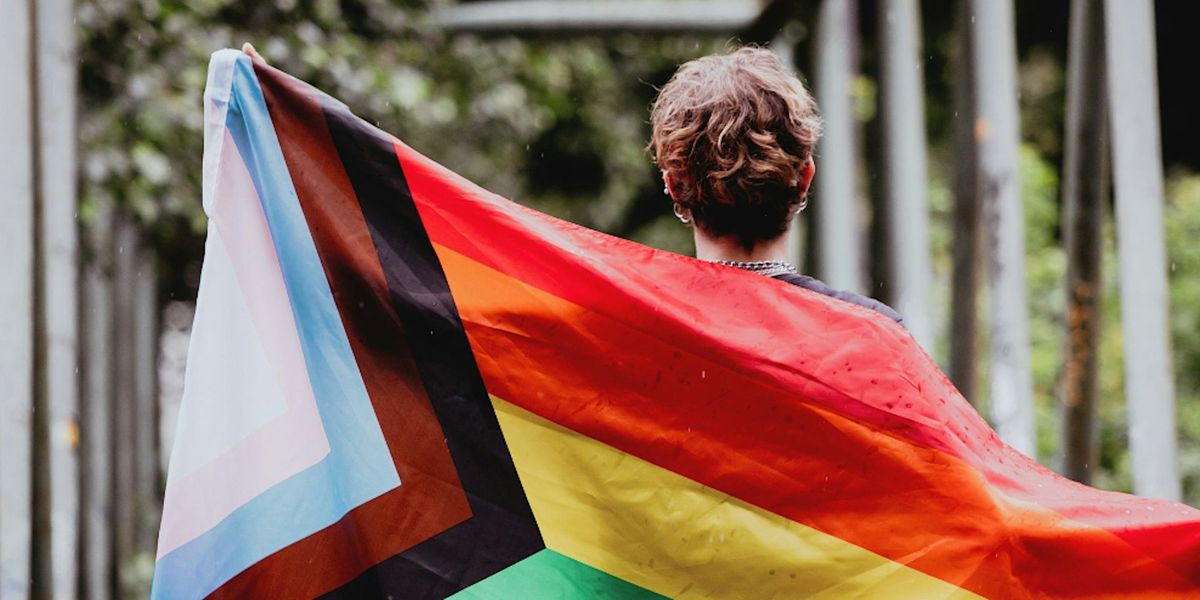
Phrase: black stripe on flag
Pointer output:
(502, 530)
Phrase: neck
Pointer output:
(727, 248)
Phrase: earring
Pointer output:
(803, 205)
(685, 219)
(666, 190)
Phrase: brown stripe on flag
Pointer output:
(430, 498)
(501, 530)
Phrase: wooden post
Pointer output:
(123, 425)
(17, 286)
(1084, 176)
(96, 417)
(58, 301)
(1138, 179)
(784, 46)
(837, 226)
(904, 164)
(966, 250)
(145, 414)
(1011, 382)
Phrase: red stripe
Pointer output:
(716, 425)
(813, 350)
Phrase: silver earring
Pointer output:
(666, 190)
(685, 219)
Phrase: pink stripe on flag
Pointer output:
(286, 443)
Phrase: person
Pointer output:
(733, 135)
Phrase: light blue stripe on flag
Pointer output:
(359, 466)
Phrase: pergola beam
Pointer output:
(597, 16)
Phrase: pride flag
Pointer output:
(403, 386)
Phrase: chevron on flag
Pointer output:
(402, 386)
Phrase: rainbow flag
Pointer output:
(403, 386)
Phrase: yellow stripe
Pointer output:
(676, 537)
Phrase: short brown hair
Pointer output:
(734, 131)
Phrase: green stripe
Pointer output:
(549, 575)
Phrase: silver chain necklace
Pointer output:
(766, 268)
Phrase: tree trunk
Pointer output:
(1011, 382)
(1084, 177)
(1137, 175)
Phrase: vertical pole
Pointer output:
(1137, 175)
(96, 479)
(1084, 177)
(16, 297)
(785, 48)
(904, 164)
(1011, 382)
(146, 463)
(124, 393)
(964, 284)
(58, 309)
(838, 251)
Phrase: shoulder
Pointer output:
(816, 285)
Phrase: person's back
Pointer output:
(734, 137)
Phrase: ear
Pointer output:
(806, 175)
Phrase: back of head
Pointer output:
(733, 133)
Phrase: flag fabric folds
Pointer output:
(400, 385)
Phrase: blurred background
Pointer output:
(1019, 178)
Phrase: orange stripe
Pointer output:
(776, 449)
(844, 357)
(668, 534)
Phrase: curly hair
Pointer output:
(734, 132)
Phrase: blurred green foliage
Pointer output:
(560, 124)
(557, 124)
